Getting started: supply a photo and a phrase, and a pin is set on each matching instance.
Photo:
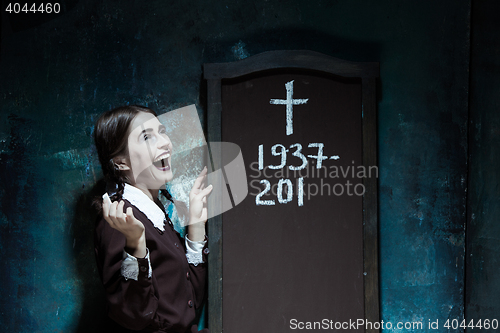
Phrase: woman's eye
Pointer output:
(146, 137)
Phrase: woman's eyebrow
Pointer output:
(144, 131)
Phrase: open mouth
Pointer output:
(161, 162)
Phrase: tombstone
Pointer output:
(300, 251)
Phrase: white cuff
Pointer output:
(130, 266)
(193, 251)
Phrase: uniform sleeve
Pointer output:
(196, 254)
(131, 302)
(130, 266)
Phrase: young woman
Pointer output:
(154, 279)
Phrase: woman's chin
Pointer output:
(168, 177)
(165, 177)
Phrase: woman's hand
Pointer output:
(127, 224)
(198, 207)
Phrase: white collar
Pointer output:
(147, 206)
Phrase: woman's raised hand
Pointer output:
(126, 223)
(198, 199)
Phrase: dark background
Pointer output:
(438, 136)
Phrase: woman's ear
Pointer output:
(121, 163)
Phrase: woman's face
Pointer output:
(149, 150)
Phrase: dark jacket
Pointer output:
(167, 301)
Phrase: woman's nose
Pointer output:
(164, 142)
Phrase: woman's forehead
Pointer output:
(144, 120)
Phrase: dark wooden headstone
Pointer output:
(301, 249)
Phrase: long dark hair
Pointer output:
(111, 137)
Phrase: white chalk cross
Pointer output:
(289, 102)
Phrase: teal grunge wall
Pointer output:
(58, 72)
